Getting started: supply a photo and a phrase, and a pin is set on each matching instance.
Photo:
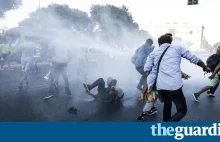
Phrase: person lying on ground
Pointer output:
(110, 94)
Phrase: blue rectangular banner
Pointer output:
(108, 132)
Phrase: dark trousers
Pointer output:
(56, 70)
(178, 98)
(213, 89)
(100, 83)
(144, 77)
(6, 57)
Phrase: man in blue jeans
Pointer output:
(142, 54)
(109, 94)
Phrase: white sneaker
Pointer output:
(48, 97)
(46, 77)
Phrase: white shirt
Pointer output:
(169, 76)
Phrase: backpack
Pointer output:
(134, 57)
(213, 61)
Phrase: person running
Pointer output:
(27, 48)
(213, 62)
(110, 94)
(60, 54)
(37, 55)
(214, 82)
(5, 53)
(139, 60)
(167, 78)
(211, 92)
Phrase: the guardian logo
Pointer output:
(180, 132)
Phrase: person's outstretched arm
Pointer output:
(193, 59)
(202, 65)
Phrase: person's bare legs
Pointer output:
(197, 94)
(24, 78)
(204, 89)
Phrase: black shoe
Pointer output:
(196, 96)
(211, 95)
(20, 86)
(141, 117)
(72, 110)
(152, 111)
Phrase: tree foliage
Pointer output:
(115, 23)
(106, 23)
(110, 17)
(59, 16)
(6, 5)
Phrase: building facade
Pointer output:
(189, 35)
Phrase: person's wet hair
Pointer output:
(165, 39)
(149, 40)
(169, 34)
